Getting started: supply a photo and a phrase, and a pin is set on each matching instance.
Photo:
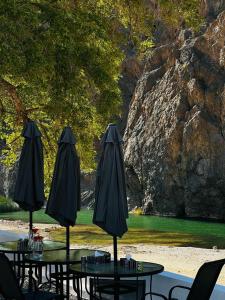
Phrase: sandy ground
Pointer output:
(182, 260)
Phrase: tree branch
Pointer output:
(45, 133)
(11, 92)
(29, 110)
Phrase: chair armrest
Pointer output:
(156, 294)
(177, 286)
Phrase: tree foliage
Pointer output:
(60, 65)
(177, 12)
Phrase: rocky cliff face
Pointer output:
(175, 134)
(211, 8)
(7, 180)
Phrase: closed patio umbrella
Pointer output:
(29, 187)
(64, 197)
(111, 211)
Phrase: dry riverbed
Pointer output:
(182, 260)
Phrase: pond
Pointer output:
(142, 229)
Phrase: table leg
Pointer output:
(91, 287)
(78, 288)
(117, 292)
(39, 275)
(30, 276)
(19, 267)
(48, 272)
(67, 283)
(150, 287)
(137, 291)
(86, 288)
(94, 287)
(61, 280)
(23, 272)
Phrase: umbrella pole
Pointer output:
(115, 249)
(31, 220)
(67, 240)
(116, 278)
(30, 284)
(67, 266)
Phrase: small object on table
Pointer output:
(128, 263)
(140, 266)
(83, 260)
(98, 258)
(128, 256)
(30, 239)
(22, 245)
(38, 246)
(19, 242)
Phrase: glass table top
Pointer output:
(60, 256)
(109, 270)
(48, 245)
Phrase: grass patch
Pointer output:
(84, 217)
(7, 205)
(92, 235)
(142, 229)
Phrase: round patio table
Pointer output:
(110, 270)
(58, 263)
(11, 247)
(17, 258)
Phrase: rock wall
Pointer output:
(175, 135)
(7, 181)
(131, 70)
(211, 8)
(7, 177)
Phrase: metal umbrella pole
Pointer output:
(115, 256)
(67, 265)
(116, 277)
(30, 220)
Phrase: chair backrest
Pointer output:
(9, 287)
(205, 280)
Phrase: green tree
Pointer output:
(60, 64)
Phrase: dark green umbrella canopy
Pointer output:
(111, 211)
(64, 198)
(29, 188)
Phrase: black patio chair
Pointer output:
(9, 287)
(104, 289)
(203, 284)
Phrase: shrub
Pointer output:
(137, 211)
(7, 205)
